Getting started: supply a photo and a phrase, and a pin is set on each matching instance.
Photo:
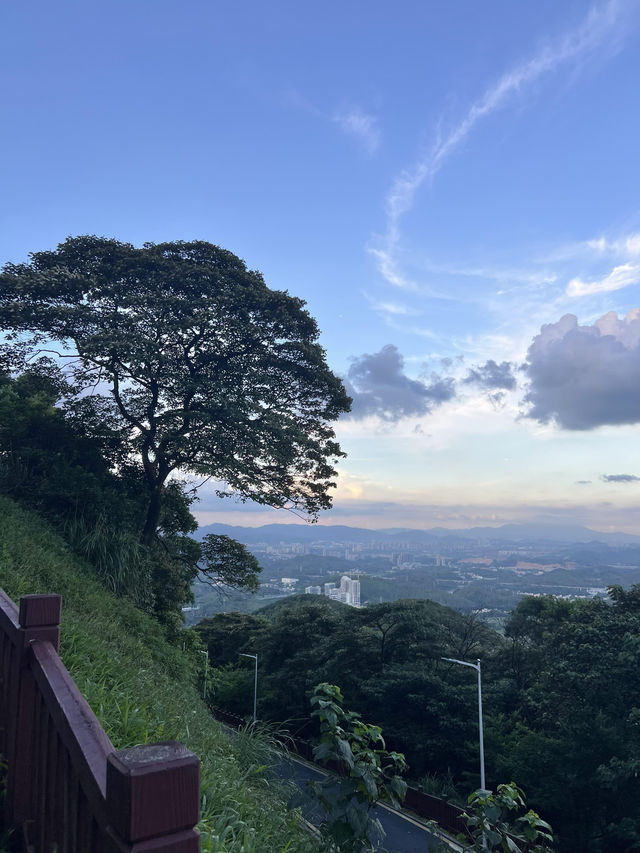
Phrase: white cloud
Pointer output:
(362, 126)
(629, 244)
(599, 27)
(583, 377)
(393, 309)
(619, 277)
(624, 246)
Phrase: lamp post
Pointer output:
(206, 670)
(255, 683)
(476, 666)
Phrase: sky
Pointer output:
(453, 188)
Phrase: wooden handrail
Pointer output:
(66, 785)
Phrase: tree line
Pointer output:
(560, 694)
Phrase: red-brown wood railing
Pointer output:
(67, 789)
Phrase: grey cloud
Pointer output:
(378, 386)
(620, 478)
(583, 377)
(491, 375)
(583, 482)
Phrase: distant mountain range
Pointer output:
(307, 534)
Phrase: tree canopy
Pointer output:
(195, 363)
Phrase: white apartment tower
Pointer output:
(350, 591)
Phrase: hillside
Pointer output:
(143, 689)
(276, 608)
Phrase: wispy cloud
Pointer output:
(392, 309)
(623, 246)
(599, 27)
(620, 478)
(619, 277)
(629, 244)
(352, 121)
(362, 126)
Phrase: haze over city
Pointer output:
(452, 188)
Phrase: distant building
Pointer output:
(348, 592)
(351, 590)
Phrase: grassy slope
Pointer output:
(142, 689)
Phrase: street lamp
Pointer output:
(476, 666)
(255, 683)
(206, 669)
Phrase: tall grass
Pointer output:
(117, 556)
(143, 689)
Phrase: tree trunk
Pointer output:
(153, 516)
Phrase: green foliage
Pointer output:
(143, 689)
(232, 689)
(560, 694)
(494, 824)
(371, 773)
(48, 463)
(569, 732)
(121, 561)
(176, 358)
(387, 657)
(225, 562)
(442, 786)
(209, 371)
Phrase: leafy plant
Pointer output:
(371, 773)
(493, 825)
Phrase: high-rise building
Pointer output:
(350, 591)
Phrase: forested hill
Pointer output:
(144, 688)
(560, 695)
(385, 657)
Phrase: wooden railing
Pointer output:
(68, 790)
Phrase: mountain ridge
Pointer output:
(512, 532)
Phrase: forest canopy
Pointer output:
(198, 366)
(124, 368)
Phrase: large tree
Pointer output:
(208, 371)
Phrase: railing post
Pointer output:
(153, 798)
(39, 619)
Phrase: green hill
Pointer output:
(271, 611)
(144, 689)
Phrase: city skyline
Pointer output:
(452, 189)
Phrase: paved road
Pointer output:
(404, 834)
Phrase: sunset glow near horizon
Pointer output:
(452, 188)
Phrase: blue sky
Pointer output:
(443, 183)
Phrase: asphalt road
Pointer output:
(404, 834)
